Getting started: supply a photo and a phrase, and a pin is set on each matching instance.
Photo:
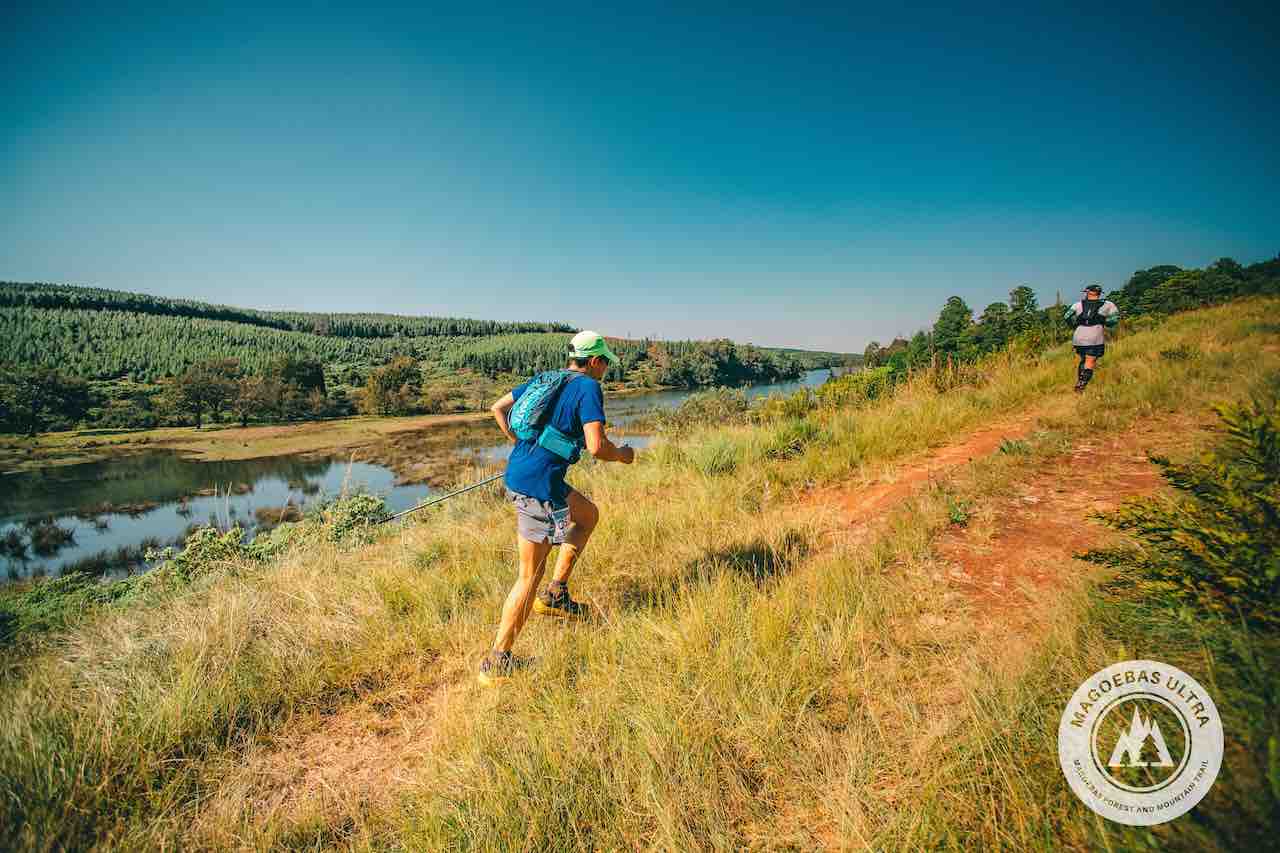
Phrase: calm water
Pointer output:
(157, 496)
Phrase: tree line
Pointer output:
(958, 336)
(39, 399)
(655, 363)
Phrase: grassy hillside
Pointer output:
(759, 676)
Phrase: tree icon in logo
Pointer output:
(1130, 745)
(1145, 738)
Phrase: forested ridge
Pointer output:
(95, 344)
(151, 361)
(339, 325)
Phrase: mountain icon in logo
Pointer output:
(1130, 743)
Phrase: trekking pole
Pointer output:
(486, 481)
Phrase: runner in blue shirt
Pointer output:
(548, 510)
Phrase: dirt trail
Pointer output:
(1019, 553)
(859, 508)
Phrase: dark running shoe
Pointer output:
(496, 668)
(559, 604)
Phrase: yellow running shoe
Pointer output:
(558, 603)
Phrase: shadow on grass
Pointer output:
(758, 560)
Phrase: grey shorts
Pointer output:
(539, 521)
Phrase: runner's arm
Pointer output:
(1110, 315)
(500, 410)
(599, 445)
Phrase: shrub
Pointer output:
(779, 407)
(1216, 544)
(268, 544)
(206, 549)
(853, 389)
(354, 514)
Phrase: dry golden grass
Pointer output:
(752, 682)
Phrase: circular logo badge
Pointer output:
(1140, 742)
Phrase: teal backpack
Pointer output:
(533, 408)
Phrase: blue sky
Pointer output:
(784, 174)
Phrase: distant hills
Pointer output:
(96, 333)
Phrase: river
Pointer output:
(102, 516)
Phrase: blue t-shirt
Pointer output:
(537, 472)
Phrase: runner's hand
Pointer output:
(628, 454)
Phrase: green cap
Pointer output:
(587, 344)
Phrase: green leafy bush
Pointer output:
(856, 388)
(355, 514)
(1215, 544)
(206, 549)
(780, 407)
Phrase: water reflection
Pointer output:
(122, 506)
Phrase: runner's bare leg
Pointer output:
(583, 518)
(533, 562)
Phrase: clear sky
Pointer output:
(788, 174)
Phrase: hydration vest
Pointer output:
(1090, 313)
(533, 409)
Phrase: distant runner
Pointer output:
(1089, 317)
(551, 418)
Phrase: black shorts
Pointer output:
(1096, 350)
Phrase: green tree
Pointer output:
(393, 389)
(1179, 292)
(1130, 297)
(993, 329)
(305, 374)
(1024, 310)
(257, 398)
(951, 330)
(37, 399)
(920, 349)
(871, 356)
(207, 387)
